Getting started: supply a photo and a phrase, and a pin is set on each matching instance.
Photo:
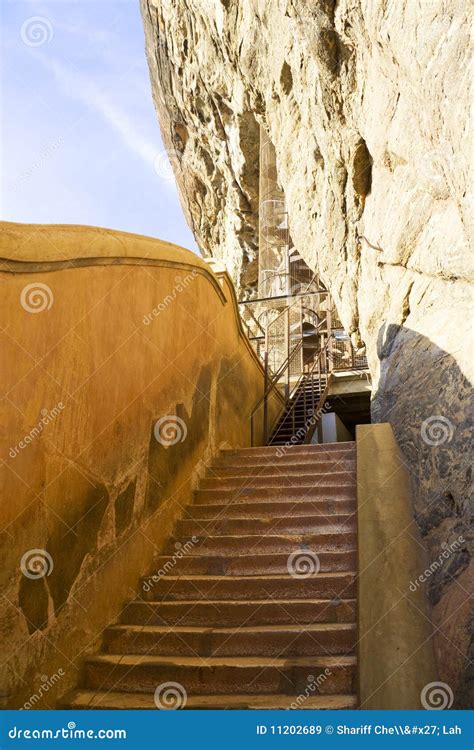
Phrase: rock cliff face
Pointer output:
(366, 102)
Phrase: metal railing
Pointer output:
(344, 355)
(311, 386)
(271, 384)
(276, 324)
(298, 336)
(311, 390)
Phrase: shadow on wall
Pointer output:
(428, 401)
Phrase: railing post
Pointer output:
(320, 430)
(305, 410)
(329, 350)
(265, 400)
(287, 347)
(301, 331)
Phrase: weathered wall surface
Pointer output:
(367, 105)
(118, 354)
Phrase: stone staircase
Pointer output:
(259, 609)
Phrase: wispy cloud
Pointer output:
(88, 80)
(83, 89)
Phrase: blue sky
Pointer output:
(79, 135)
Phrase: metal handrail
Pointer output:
(286, 311)
(278, 297)
(271, 385)
(310, 377)
(274, 380)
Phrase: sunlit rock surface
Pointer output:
(367, 105)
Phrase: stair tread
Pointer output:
(131, 660)
(119, 700)
(315, 516)
(284, 494)
(300, 537)
(264, 502)
(345, 463)
(258, 471)
(245, 555)
(311, 472)
(249, 489)
(318, 448)
(234, 603)
(269, 577)
(312, 513)
(322, 627)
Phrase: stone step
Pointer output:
(198, 676)
(320, 586)
(266, 640)
(220, 613)
(287, 460)
(245, 565)
(329, 450)
(244, 494)
(327, 540)
(90, 699)
(296, 468)
(266, 450)
(288, 524)
(280, 479)
(264, 508)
